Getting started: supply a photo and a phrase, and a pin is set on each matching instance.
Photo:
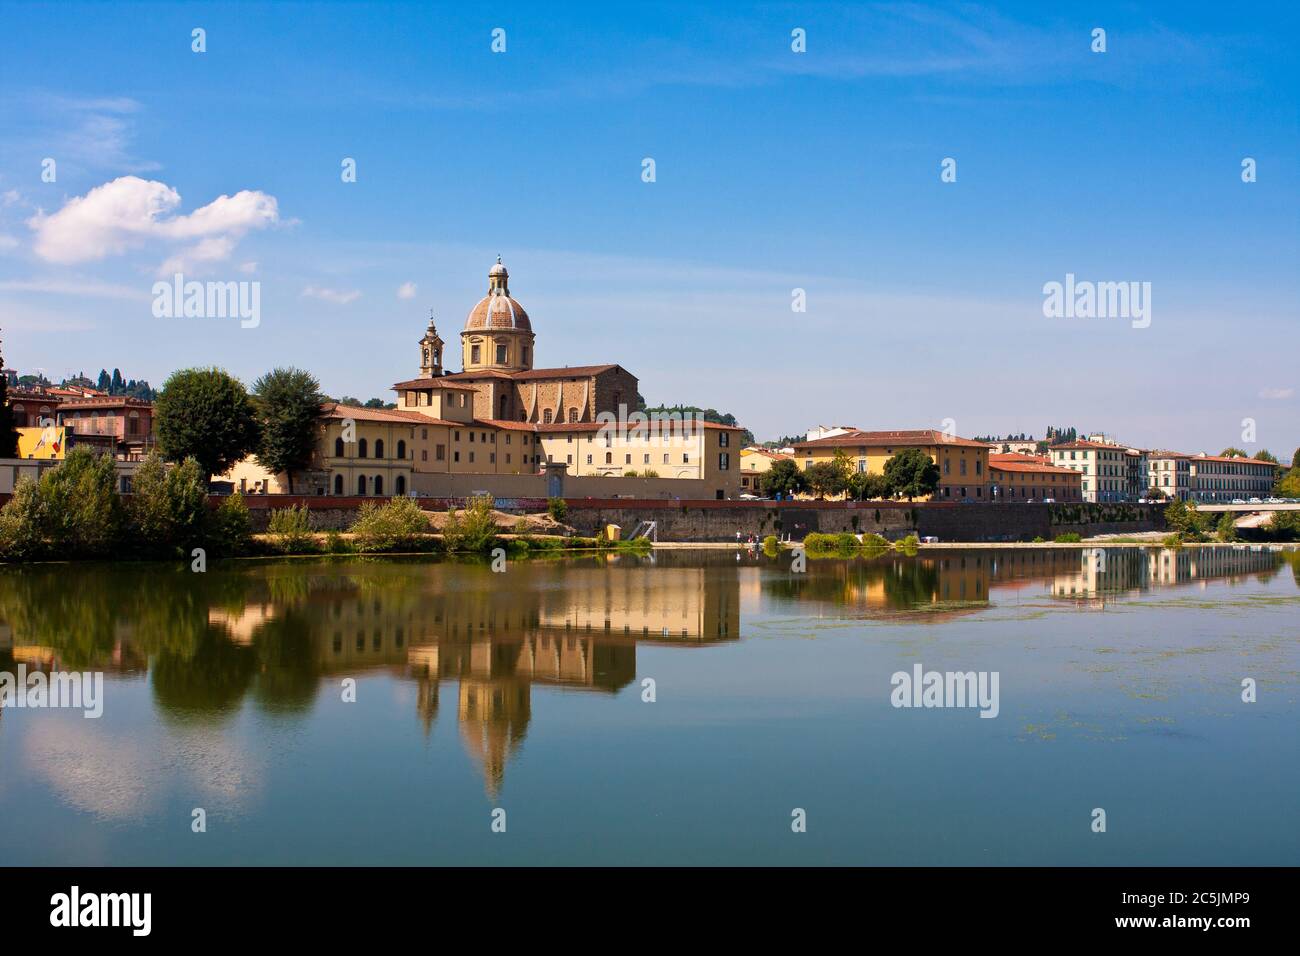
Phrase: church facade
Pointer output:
(501, 415)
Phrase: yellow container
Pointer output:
(613, 532)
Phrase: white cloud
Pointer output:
(1276, 393)
(406, 290)
(331, 295)
(128, 212)
(248, 268)
(9, 197)
(74, 287)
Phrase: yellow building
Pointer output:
(754, 463)
(963, 463)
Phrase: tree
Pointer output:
(104, 382)
(1155, 494)
(1265, 455)
(826, 478)
(911, 474)
(1233, 453)
(8, 436)
(168, 506)
(1227, 528)
(865, 486)
(80, 509)
(783, 478)
(1183, 518)
(1289, 486)
(204, 413)
(287, 401)
(1295, 459)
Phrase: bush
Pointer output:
(649, 473)
(843, 544)
(474, 529)
(168, 512)
(399, 524)
(1227, 529)
(1069, 537)
(771, 545)
(22, 537)
(909, 544)
(290, 529)
(231, 526)
(1038, 539)
(557, 508)
(76, 508)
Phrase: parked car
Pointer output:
(1256, 501)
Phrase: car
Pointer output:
(1256, 501)
(1238, 501)
(1049, 501)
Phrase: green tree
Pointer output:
(911, 474)
(205, 414)
(865, 486)
(80, 509)
(8, 436)
(1233, 453)
(288, 403)
(1289, 486)
(168, 509)
(824, 478)
(1265, 455)
(1227, 527)
(783, 478)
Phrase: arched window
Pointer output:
(505, 400)
(338, 484)
(379, 448)
(361, 448)
(401, 484)
(379, 484)
(573, 414)
(546, 417)
(361, 484)
(338, 448)
(401, 449)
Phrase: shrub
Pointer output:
(649, 473)
(843, 544)
(1038, 539)
(771, 545)
(909, 544)
(79, 507)
(399, 524)
(1069, 537)
(290, 529)
(474, 529)
(631, 473)
(168, 512)
(557, 508)
(231, 525)
(22, 537)
(1227, 529)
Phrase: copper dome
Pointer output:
(497, 310)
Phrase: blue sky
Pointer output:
(774, 170)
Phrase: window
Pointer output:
(724, 438)
(379, 448)
(361, 448)
(474, 354)
(573, 414)
(501, 354)
(379, 484)
(525, 354)
(424, 453)
(546, 417)
(724, 461)
(471, 458)
(627, 459)
(338, 484)
(686, 458)
(361, 484)
(338, 448)
(455, 456)
(589, 459)
(401, 451)
(609, 458)
(471, 437)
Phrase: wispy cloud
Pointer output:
(1276, 394)
(334, 296)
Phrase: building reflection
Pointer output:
(1100, 575)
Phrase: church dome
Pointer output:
(497, 310)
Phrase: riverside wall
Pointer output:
(713, 521)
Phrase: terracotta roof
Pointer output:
(1164, 453)
(439, 382)
(333, 410)
(570, 371)
(497, 311)
(903, 439)
(1234, 459)
(1012, 457)
(765, 453)
(597, 426)
(1025, 465)
(506, 424)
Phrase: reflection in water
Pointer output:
(274, 635)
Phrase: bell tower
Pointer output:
(430, 351)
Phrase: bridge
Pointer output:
(1262, 506)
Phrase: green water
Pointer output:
(522, 696)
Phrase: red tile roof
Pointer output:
(902, 439)
(569, 371)
(333, 410)
(440, 382)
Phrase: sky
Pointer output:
(774, 171)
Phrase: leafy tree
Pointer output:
(288, 404)
(22, 537)
(231, 525)
(1265, 455)
(865, 486)
(8, 436)
(398, 524)
(80, 511)
(911, 474)
(205, 414)
(826, 478)
(1289, 486)
(783, 478)
(1295, 459)
(104, 382)
(1155, 494)
(168, 509)
(473, 529)
(1233, 453)
(1182, 518)
(1227, 528)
